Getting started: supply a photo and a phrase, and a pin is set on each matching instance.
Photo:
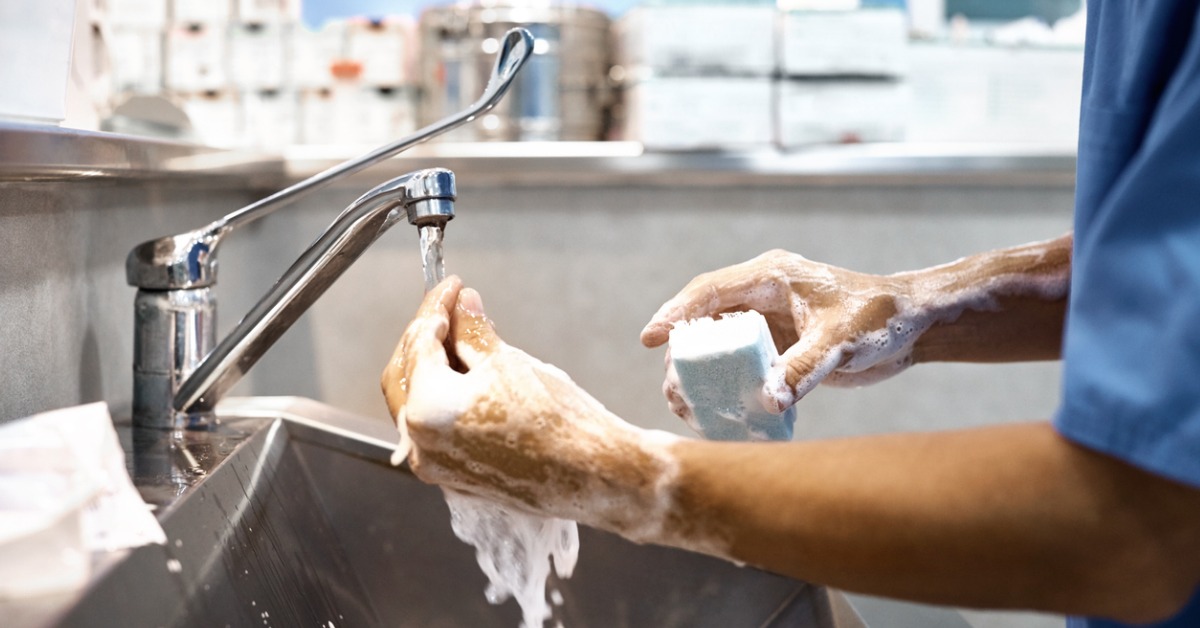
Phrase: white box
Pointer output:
(698, 40)
(840, 112)
(213, 12)
(136, 55)
(818, 5)
(268, 11)
(196, 59)
(35, 48)
(385, 115)
(994, 94)
(258, 55)
(142, 14)
(870, 42)
(314, 52)
(317, 117)
(386, 49)
(216, 118)
(682, 113)
(270, 118)
(349, 114)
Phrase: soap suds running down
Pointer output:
(515, 550)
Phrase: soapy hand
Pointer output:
(829, 324)
(487, 419)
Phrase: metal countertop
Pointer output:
(46, 153)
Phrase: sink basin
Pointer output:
(291, 515)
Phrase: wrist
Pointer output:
(620, 482)
(999, 306)
(649, 493)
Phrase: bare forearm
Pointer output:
(1001, 306)
(1021, 329)
(998, 517)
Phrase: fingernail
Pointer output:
(470, 301)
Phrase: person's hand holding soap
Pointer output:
(846, 328)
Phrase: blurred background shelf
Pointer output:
(39, 153)
(551, 164)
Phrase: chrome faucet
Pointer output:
(179, 371)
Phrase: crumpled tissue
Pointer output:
(65, 493)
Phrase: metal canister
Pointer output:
(563, 93)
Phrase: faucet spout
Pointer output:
(425, 197)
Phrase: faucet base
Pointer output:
(173, 331)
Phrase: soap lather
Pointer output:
(721, 365)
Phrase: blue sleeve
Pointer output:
(1131, 354)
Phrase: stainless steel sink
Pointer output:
(291, 515)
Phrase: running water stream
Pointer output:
(513, 548)
(432, 263)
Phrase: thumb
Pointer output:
(473, 333)
(799, 370)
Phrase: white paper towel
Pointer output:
(64, 493)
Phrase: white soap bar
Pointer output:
(721, 365)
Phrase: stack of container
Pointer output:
(698, 76)
(247, 73)
(843, 71)
(358, 84)
(735, 76)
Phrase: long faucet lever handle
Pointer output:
(188, 260)
(514, 52)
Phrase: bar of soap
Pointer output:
(721, 365)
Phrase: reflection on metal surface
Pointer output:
(301, 521)
(35, 153)
(31, 152)
(563, 94)
(553, 164)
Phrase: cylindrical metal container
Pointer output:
(562, 93)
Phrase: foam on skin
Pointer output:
(888, 316)
(520, 433)
(523, 452)
(530, 438)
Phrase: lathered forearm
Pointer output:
(1001, 306)
(1011, 516)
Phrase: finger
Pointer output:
(420, 340)
(740, 287)
(799, 370)
(876, 373)
(426, 335)
(473, 333)
(441, 299)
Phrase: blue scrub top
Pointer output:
(1131, 354)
